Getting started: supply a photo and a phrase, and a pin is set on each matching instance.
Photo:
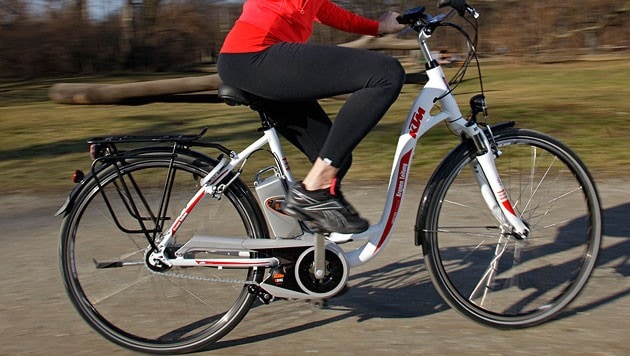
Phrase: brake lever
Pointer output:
(404, 32)
(461, 6)
(472, 11)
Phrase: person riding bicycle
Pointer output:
(266, 53)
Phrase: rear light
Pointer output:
(77, 176)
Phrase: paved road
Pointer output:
(391, 307)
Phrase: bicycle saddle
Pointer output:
(234, 96)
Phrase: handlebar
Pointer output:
(416, 17)
(460, 5)
(425, 25)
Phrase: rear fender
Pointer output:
(95, 172)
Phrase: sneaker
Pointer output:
(324, 210)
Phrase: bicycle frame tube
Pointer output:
(270, 138)
(419, 121)
(212, 181)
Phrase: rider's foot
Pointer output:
(325, 210)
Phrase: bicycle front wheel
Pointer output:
(482, 271)
(105, 239)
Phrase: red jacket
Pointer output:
(266, 22)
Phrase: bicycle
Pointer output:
(153, 275)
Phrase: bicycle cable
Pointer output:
(458, 77)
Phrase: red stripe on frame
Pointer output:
(508, 206)
(225, 263)
(400, 181)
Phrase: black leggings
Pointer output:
(293, 76)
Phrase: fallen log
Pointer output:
(81, 93)
(91, 94)
(382, 43)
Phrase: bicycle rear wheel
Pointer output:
(492, 277)
(104, 268)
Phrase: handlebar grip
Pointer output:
(410, 16)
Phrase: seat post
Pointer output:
(266, 120)
(234, 96)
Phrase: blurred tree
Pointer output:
(138, 19)
(11, 10)
(59, 36)
(81, 10)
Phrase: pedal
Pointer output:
(262, 295)
(333, 237)
(339, 238)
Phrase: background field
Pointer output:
(586, 104)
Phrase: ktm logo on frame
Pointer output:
(416, 120)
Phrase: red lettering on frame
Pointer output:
(397, 201)
(416, 120)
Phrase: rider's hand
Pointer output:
(387, 23)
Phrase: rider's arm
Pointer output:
(334, 16)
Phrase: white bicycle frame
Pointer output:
(418, 122)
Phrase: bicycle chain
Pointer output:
(206, 279)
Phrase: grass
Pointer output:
(585, 104)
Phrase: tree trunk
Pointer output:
(77, 93)
(116, 93)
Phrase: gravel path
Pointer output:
(391, 306)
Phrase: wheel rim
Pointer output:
(529, 281)
(140, 309)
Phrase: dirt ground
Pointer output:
(390, 308)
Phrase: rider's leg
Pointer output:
(320, 176)
(290, 71)
(306, 125)
(299, 72)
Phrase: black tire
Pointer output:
(131, 305)
(531, 281)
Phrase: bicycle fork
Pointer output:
(492, 188)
